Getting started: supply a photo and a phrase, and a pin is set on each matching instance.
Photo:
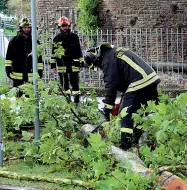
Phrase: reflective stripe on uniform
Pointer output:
(76, 92)
(108, 106)
(40, 66)
(132, 89)
(75, 69)
(8, 63)
(81, 59)
(126, 130)
(68, 91)
(139, 82)
(30, 76)
(61, 69)
(52, 60)
(76, 60)
(133, 65)
(147, 79)
(91, 66)
(122, 48)
(18, 76)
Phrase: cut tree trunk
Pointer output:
(166, 180)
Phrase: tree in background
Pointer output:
(4, 6)
(87, 15)
(20, 7)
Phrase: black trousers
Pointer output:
(133, 101)
(70, 78)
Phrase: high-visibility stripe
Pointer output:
(75, 69)
(108, 106)
(61, 69)
(30, 78)
(133, 65)
(132, 89)
(148, 77)
(30, 74)
(81, 59)
(52, 60)
(126, 130)
(76, 60)
(18, 76)
(40, 66)
(75, 92)
(122, 48)
(8, 63)
(68, 91)
(91, 66)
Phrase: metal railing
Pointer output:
(164, 49)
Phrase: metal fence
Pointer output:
(164, 49)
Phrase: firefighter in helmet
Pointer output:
(67, 65)
(18, 63)
(126, 72)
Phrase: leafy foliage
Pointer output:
(3, 5)
(166, 127)
(62, 142)
(46, 45)
(87, 18)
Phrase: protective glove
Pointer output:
(106, 113)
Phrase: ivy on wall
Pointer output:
(87, 15)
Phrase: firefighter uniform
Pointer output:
(18, 63)
(68, 65)
(126, 72)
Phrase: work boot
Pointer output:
(68, 97)
(76, 99)
(126, 141)
(136, 135)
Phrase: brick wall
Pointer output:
(119, 14)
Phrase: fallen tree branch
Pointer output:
(14, 175)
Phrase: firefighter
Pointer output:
(126, 72)
(18, 63)
(68, 65)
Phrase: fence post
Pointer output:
(35, 68)
(1, 144)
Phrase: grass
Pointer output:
(10, 32)
(0, 67)
(2, 74)
(20, 167)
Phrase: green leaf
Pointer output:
(99, 168)
(26, 135)
(161, 108)
(123, 112)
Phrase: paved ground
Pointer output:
(8, 187)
